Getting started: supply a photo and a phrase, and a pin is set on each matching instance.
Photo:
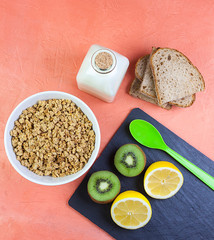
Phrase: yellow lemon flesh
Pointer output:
(131, 210)
(162, 180)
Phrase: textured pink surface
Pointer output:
(42, 44)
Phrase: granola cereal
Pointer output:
(53, 138)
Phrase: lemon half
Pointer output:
(131, 210)
(162, 180)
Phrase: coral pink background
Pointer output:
(42, 45)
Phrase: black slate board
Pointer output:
(187, 215)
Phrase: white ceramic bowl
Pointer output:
(25, 172)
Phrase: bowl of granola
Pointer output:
(52, 138)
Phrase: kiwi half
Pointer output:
(103, 186)
(130, 160)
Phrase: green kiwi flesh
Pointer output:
(103, 186)
(130, 160)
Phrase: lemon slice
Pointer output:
(131, 210)
(162, 180)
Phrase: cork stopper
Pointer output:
(103, 60)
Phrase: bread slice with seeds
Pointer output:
(175, 77)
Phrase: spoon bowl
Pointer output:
(146, 134)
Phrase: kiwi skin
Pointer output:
(144, 156)
(107, 201)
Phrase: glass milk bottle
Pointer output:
(102, 72)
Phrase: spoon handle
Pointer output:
(202, 175)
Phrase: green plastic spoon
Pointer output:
(146, 134)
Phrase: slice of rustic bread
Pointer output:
(140, 67)
(175, 77)
(148, 88)
(135, 92)
(141, 74)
